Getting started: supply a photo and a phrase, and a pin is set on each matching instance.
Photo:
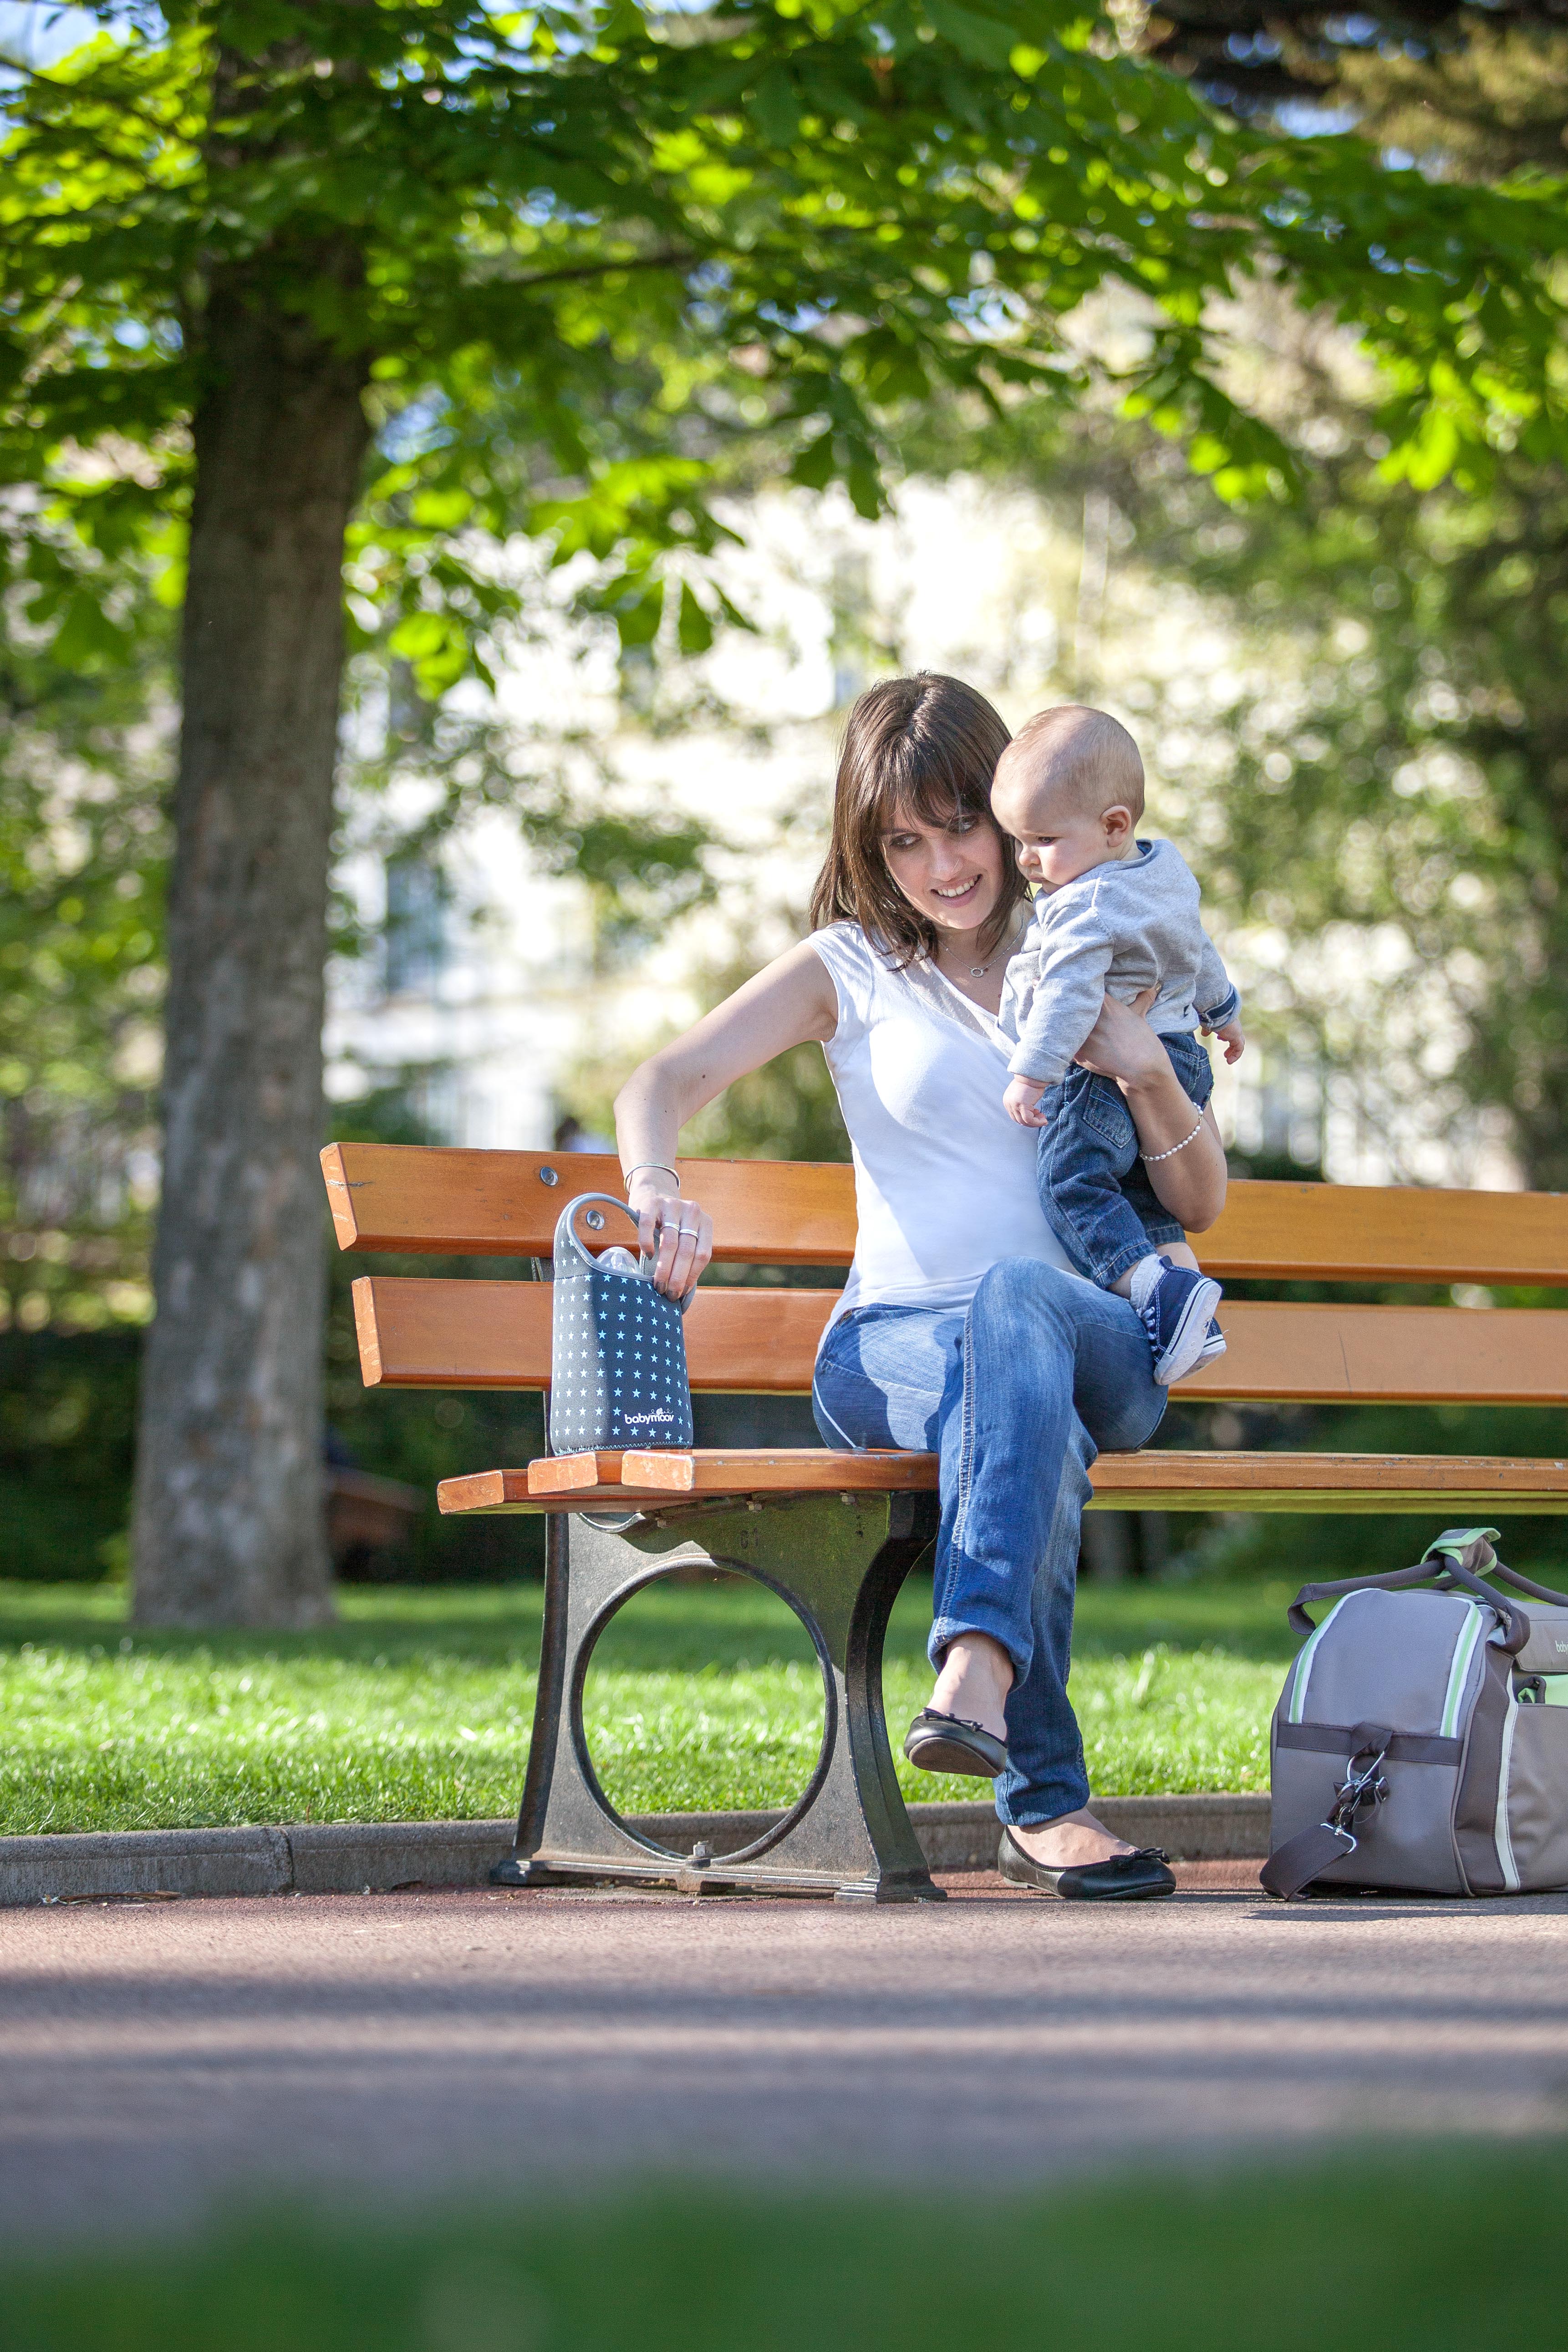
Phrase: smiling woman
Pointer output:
(961, 1331)
(916, 854)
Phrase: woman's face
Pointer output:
(953, 873)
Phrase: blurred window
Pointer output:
(418, 945)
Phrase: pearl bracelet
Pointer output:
(1153, 1159)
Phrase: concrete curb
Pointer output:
(353, 1857)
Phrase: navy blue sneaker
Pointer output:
(1177, 1312)
(1213, 1346)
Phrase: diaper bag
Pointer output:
(1421, 1740)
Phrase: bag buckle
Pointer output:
(1361, 1788)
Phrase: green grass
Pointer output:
(417, 1704)
(1379, 2250)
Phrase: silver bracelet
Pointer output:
(663, 1164)
(1153, 1159)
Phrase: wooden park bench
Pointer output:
(836, 1534)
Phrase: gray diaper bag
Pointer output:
(1421, 1740)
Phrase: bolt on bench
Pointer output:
(836, 1534)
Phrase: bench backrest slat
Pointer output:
(448, 1202)
(455, 1203)
(1394, 1233)
(416, 1333)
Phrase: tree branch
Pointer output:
(124, 105)
(669, 259)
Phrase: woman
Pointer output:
(962, 1330)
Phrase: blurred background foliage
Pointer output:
(85, 729)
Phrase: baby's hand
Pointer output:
(1022, 1102)
(1230, 1036)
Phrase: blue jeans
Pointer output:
(1017, 1396)
(1094, 1189)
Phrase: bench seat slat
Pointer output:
(448, 1202)
(1174, 1481)
(418, 1333)
(1159, 1480)
(741, 1470)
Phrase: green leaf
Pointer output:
(637, 610)
(974, 34)
(775, 108)
(418, 636)
(814, 466)
(695, 629)
(441, 511)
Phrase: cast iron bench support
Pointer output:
(840, 1562)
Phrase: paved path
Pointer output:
(155, 2057)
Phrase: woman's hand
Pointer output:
(1122, 1045)
(672, 1230)
(1185, 1168)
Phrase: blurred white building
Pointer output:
(488, 982)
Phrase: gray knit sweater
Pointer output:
(1116, 930)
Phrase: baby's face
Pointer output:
(1057, 838)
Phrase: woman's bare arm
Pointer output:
(789, 1002)
(1191, 1183)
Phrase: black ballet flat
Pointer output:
(1139, 1877)
(946, 1743)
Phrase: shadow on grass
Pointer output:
(729, 1622)
(481, 1626)
(1388, 2247)
(726, 1623)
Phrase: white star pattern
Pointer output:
(616, 1328)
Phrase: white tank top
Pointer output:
(944, 1180)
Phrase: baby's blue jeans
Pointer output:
(1094, 1188)
(1017, 1396)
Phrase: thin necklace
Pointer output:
(979, 971)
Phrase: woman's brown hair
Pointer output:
(927, 747)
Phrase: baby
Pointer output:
(1113, 915)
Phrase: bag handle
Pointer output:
(1441, 1567)
(1459, 1540)
(567, 1237)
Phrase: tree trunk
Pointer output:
(228, 1522)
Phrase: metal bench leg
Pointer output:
(840, 1562)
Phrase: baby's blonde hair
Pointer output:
(1084, 752)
